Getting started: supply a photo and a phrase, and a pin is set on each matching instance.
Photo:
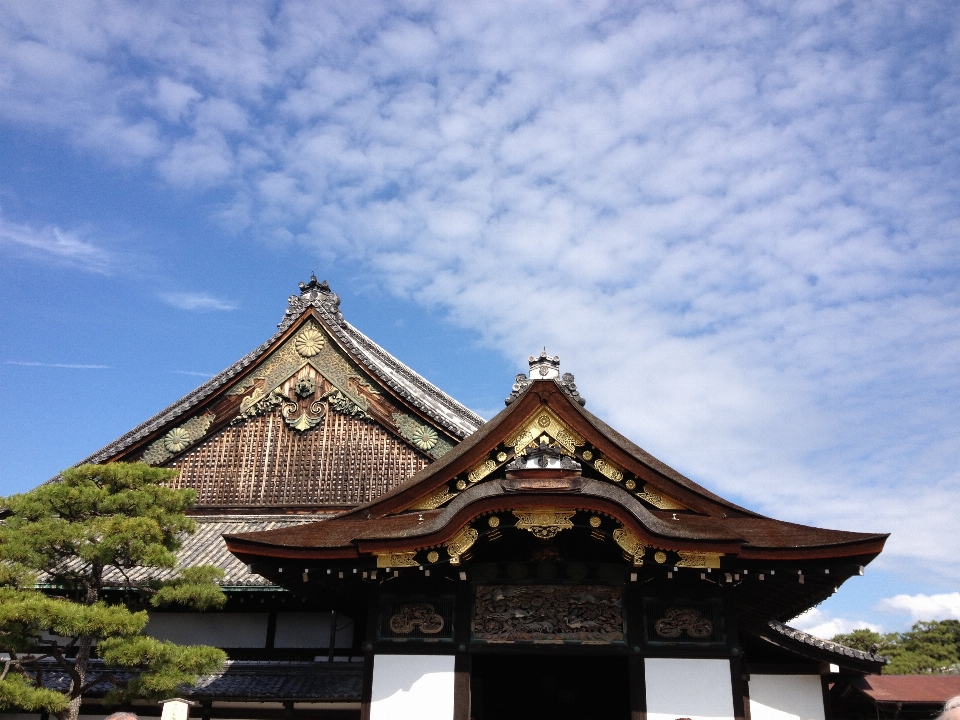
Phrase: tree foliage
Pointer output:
(78, 560)
(930, 646)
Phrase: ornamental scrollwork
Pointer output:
(460, 543)
(425, 437)
(177, 439)
(544, 421)
(676, 621)
(589, 614)
(397, 559)
(344, 405)
(481, 470)
(608, 469)
(659, 500)
(422, 436)
(433, 500)
(544, 523)
(630, 544)
(410, 617)
(258, 404)
(692, 559)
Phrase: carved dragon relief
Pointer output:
(547, 613)
(679, 620)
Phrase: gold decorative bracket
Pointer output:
(460, 543)
(544, 523)
(609, 469)
(481, 470)
(630, 544)
(433, 500)
(397, 559)
(699, 559)
(659, 501)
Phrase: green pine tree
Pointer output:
(930, 646)
(72, 553)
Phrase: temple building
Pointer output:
(389, 554)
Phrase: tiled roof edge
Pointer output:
(828, 645)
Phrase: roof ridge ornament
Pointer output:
(312, 294)
(545, 367)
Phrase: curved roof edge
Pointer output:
(790, 638)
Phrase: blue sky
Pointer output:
(735, 222)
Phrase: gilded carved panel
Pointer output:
(588, 614)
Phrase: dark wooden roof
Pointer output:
(318, 417)
(698, 521)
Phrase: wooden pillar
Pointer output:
(271, 629)
(825, 691)
(740, 688)
(638, 687)
(366, 692)
(461, 687)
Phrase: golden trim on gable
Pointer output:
(544, 420)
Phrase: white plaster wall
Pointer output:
(688, 688)
(311, 630)
(230, 630)
(786, 697)
(412, 687)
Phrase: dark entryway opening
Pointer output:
(549, 687)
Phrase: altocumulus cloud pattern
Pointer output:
(735, 221)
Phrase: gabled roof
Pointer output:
(319, 415)
(657, 506)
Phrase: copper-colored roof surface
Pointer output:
(749, 533)
(909, 688)
(719, 525)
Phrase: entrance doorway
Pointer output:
(549, 687)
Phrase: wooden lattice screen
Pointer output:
(262, 462)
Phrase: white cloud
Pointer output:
(823, 625)
(68, 366)
(51, 244)
(737, 227)
(942, 606)
(196, 301)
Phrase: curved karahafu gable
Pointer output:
(317, 417)
(546, 466)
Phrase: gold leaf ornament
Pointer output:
(309, 342)
(544, 523)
